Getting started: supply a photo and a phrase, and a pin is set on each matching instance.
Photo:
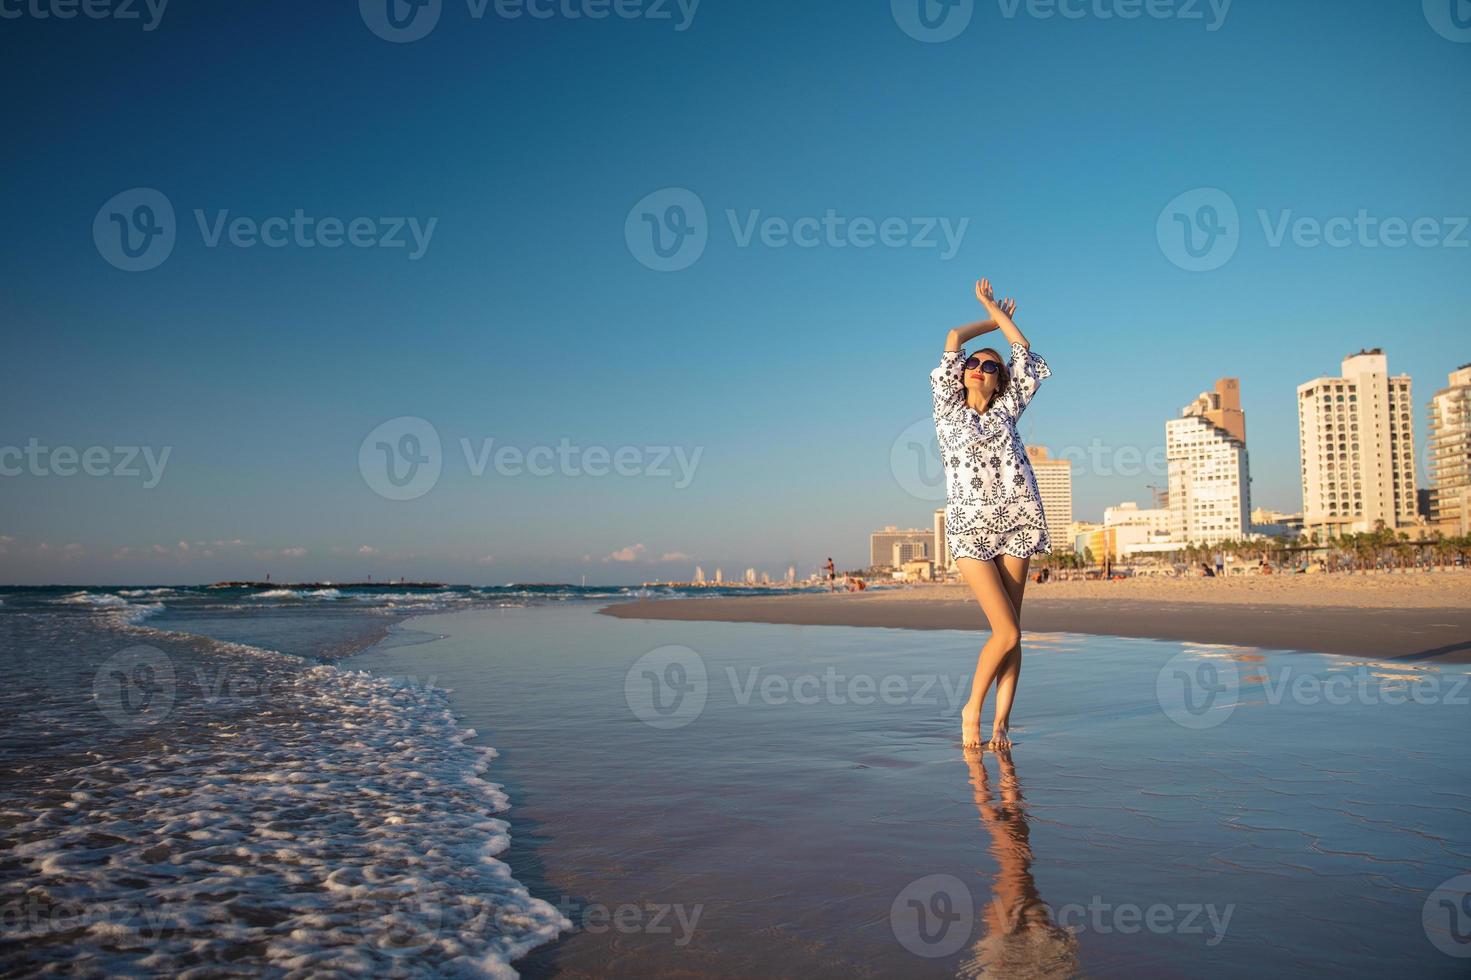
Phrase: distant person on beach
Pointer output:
(832, 576)
(993, 518)
(1220, 563)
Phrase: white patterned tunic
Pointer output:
(992, 499)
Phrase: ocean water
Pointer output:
(475, 782)
(191, 781)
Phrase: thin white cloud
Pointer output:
(634, 552)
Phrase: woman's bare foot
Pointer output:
(970, 726)
(999, 738)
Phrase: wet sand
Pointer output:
(1417, 616)
(740, 799)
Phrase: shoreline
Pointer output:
(1392, 617)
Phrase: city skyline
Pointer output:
(633, 564)
(696, 329)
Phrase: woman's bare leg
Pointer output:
(985, 580)
(1014, 577)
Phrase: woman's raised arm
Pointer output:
(961, 336)
(1001, 312)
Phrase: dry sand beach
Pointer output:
(1422, 615)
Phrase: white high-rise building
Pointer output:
(791, 574)
(750, 576)
(1357, 436)
(699, 575)
(1055, 486)
(719, 576)
(1448, 455)
(1210, 479)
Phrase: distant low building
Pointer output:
(912, 543)
(1276, 523)
(918, 570)
(1138, 530)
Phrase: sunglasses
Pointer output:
(987, 367)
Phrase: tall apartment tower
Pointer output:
(940, 550)
(1055, 484)
(1448, 455)
(1357, 434)
(1210, 476)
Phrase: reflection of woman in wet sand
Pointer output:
(1020, 938)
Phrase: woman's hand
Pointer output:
(984, 293)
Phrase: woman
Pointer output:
(993, 521)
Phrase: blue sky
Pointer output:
(784, 374)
